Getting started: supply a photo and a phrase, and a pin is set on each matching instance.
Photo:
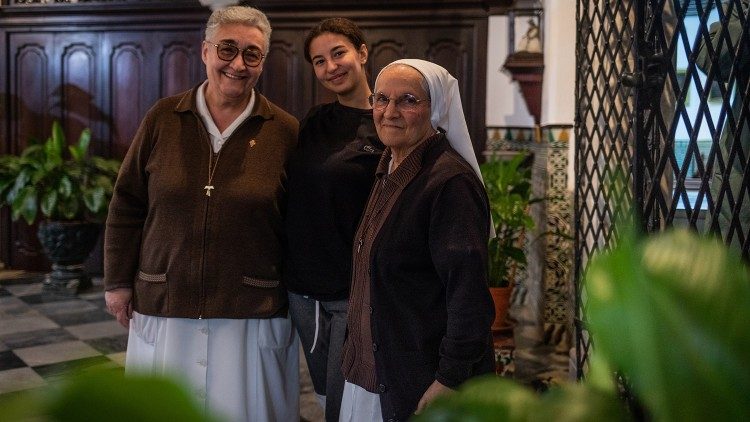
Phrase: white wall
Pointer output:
(558, 92)
(505, 105)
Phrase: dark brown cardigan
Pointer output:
(187, 254)
(430, 308)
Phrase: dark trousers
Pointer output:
(324, 362)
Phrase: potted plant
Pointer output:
(68, 193)
(669, 314)
(508, 185)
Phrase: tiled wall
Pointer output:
(542, 303)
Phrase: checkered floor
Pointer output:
(44, 336)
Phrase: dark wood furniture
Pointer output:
(102, 64)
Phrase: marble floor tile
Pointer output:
(91, 330)
(9, 360)
(57, 352)
(44, 297)
(92, 294)
(56, 370)
(25, 289)
(24, 324)
(109, 345)
(11, 307)
(64, 307)
(35, 338)
(77, 318)
(19, 379)
(119, 358)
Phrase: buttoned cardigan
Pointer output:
(430, 309)
(193, 255)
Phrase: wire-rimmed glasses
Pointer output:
(404, 102)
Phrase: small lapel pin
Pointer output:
(251, 143)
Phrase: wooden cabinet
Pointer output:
(102, 64)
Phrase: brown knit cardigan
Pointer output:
(187, 254)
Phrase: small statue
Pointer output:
(531, 41)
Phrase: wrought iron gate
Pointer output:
(662, 124)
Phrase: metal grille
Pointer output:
(661, 124)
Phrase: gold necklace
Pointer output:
(211, 171)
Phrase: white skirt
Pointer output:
(238, 369)
(359, 405)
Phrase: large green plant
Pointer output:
(44, 180)
(670, 313)
(508, 185)
(105, 395)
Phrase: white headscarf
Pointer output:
(447, 110)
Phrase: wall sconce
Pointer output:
(525, 61)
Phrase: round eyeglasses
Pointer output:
(251, 56)
(404, 102)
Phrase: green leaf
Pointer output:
(99, 395)
(78, 151)
(25, 205)
(94, 199)
(49, 202)
(671, 313)
(65, 187)
(53, 148)
(494, 399)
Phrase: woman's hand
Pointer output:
(120, 304)
(435, 390)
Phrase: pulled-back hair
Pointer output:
(341, 26)
(243, 15)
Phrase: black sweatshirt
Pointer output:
(330, 177)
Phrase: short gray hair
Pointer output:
(244, 15)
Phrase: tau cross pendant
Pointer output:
(208, 189)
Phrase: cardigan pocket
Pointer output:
(260, 282)
(151, 294)
(261, 297)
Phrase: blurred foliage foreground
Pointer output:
(104, 395)
(671, 314)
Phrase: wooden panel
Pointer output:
(384, 51)
(29, 90)
(181, 65)
(30, 93)
(280, 80)
(77, 93)
(103, 67)
(127, 91)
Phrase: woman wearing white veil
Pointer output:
(419, 311)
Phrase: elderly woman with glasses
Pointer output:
(193, 238)
(419, 308)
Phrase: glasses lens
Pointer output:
(226, 52)
(379, 101)
(252, 56)
(407, 102)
